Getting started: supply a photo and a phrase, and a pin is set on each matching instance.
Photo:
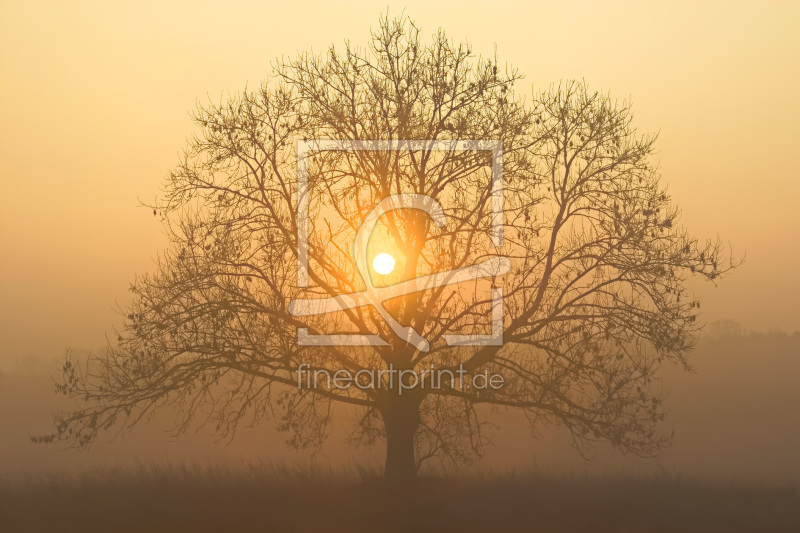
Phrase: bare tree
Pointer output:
(593, 302)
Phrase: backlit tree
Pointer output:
(594, 301)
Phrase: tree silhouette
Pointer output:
(593, 302)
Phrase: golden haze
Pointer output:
(94, 99)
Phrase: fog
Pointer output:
(734, 419)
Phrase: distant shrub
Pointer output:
(724, 328)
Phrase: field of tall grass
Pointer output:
(260, 498)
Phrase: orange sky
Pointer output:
(94, 101)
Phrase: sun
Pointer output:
(383, 263)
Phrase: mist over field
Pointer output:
(734, 467)
(646, 156)
(734, 420)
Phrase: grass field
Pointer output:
(269, 499)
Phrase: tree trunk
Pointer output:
(400, 419)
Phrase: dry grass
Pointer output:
(274, 499)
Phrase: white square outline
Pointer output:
(306, 147)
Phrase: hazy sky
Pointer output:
(94, 101)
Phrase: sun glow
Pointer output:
(383, 263)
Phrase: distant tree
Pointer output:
(594, 300)
(724, 328)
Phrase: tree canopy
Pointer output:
(595, 298)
